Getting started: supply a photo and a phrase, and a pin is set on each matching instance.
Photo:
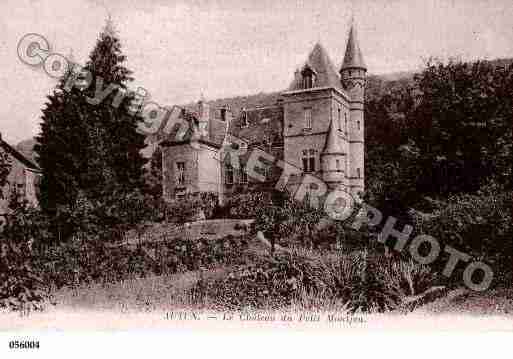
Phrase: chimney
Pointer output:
(203, 116)
(203, 110)
(226, 114)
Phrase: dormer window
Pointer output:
(308, 78)
(243, 119)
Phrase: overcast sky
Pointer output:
(180, 49)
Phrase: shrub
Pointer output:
(84, 261)
(21, 286)
(356, 281)
(192, 207)
(479, 225)
(246, 205)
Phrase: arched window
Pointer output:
(339, 120)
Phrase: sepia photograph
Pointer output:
(226, 165)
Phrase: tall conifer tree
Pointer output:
(88, 141)
(60, 147)
(116, 145)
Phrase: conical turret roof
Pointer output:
(353, 57)
(319, 62)
(332, 144)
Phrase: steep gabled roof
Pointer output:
(353, 57)
(332, 143)
(19, 157)
(320, 63)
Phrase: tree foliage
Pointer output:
(116, 162)
(5, 168)
(447, 130)
(89, 147)
(154, 175)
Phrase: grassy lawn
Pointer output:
(136, 295)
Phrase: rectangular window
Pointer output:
(228, 174)
(180, 173)
(345, 120)
(358, 124)
(20, 190)
(337, 163)
(312, 164)
(308, 118)
(244, 119)
(243, 176)
(305, 164)
(308, 160)
(308, 80)
(267, 172)
(358, 173)
(339, 120)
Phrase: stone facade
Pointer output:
(316, 125)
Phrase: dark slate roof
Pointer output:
(186, 130)
(353, 57)
(235, 104)
(320, 63)
(332, 143)
(264, 126)
(26, 148)
(19, 157)
(257, 108)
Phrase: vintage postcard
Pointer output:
(321, 166)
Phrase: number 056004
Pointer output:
(19, 344)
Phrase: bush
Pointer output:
(21, 286)
(246, 205)
(193, 207)
(84, 261)
(479, 225)
(365, 283)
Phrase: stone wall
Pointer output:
(179, 153)
(202, 169)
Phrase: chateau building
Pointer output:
(316, 125)
(22, 179)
